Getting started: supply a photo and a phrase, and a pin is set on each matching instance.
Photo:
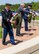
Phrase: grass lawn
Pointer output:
(37, 18)
(0, 32)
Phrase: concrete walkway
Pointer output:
(27, 47)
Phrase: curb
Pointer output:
(20, 47)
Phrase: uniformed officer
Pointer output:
(21, 13)
(26, 14)
(6, 23)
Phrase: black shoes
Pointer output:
(19, 34)
(14, 43)
(4, 43)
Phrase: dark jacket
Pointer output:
(20, 10)
(6, 15)
(27, 11)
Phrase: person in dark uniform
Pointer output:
(26, 13)
(6, 23)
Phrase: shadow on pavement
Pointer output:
(17, 41)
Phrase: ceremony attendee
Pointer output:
(26, 15)
(21, 13)
(6, 23)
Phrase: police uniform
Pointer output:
(6, 17)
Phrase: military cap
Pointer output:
(30, 5)
(7, 4)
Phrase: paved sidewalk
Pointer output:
(26, 47)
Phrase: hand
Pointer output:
(7, 19)
(30, 12)
(10, 20)
(13, 22)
